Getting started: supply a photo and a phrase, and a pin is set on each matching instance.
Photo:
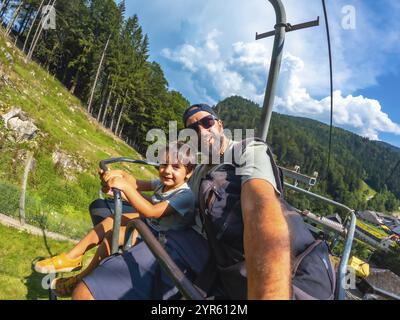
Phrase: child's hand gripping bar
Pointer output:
(118, 198)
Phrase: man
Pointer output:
(136, 274)
(266, 235)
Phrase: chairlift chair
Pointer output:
(345, 231)
(185, 286)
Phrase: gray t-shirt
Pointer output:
(181, 199)
(255, 164)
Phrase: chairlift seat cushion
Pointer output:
(136, 274)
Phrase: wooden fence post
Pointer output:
(28, 167)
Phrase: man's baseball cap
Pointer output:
(197, 108)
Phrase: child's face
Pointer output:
(172, 172)
(172, 175)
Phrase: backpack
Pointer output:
(313, 276)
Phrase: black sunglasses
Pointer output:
(206, 122)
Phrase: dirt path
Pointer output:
(14, 223)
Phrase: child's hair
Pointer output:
(180, 152)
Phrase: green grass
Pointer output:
(367, 191)
(18, 250)
(371, 229)
(56, 200)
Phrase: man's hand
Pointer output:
(266, 242)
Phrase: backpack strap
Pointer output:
(278, 174)
(207, 277)
(222, 256)
(297, 261)
(299, 294)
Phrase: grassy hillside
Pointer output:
(17, 252)
(367, 191)
(57, 198)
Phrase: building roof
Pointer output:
(384, 280)
(396, 230)
(370, 216)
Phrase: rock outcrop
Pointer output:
(67, 164)
(21, 125)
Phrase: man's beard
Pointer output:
(212, 151)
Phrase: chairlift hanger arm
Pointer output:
(289, 28)
(276, 59)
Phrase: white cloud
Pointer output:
(244, 73)
(359, 114)
(186, 55)
(360, 55)
(211, 72)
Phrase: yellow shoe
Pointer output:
(60, 263)
(64, 286)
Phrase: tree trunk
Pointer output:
(23, 188)
(38, 33)
(103, 120)
(113, 116)
(115, 110)
(103, 94)
(33, 23)
(119, 118)
(74, 82)
(64, 75)
(98, 74)
(23, 25)
(25, 21)
(120, 131)
(107, 103)
(14, 17)
(104, 116)
(4, 7)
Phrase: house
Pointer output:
(389, 220)
(382, 282)
(396, 230)
(335, 217)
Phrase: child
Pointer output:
(170, 207)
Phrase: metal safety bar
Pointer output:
(310, 181)
(184, 285)
(335, 226)
(118, 197)
(319, 197)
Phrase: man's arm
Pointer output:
(266, 242)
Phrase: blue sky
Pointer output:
(208, 52)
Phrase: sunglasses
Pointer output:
(206, 122)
